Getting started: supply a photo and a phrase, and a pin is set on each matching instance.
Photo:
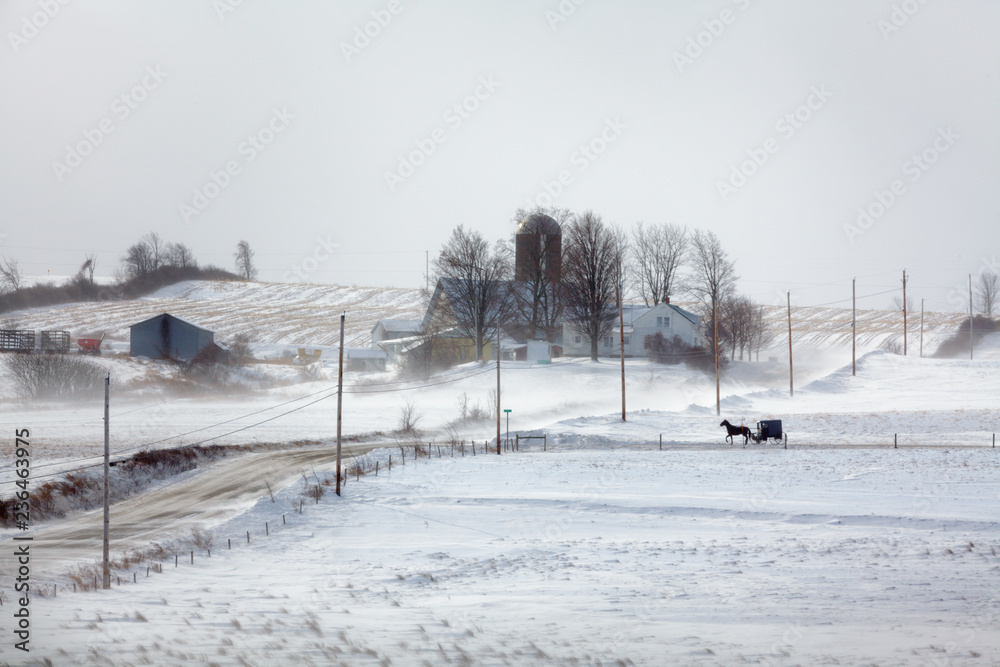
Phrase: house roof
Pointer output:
(173, 317)
(686, 314)
(632, 312)
(448, 288)
(400, 326)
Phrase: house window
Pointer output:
(659, 321)
(627, 338)
(607, 341)
(666, 322)
(577, 339)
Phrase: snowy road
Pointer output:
(206, 496)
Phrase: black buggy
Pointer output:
(769, 428)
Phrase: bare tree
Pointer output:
(987, 293)
(713, 273)
(180, 255)
(714, 277)
(157, 250)
(732, 325)
(10, 274)
(244, 261)
(240, 352)
(762, 335)
(85, 274)
(591, 277)
(658, 252)
(475, 279)
(743, 326)
(138, 261)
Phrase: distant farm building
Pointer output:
(168, 337)
(641, 322)
(395, 329)
(538, 250)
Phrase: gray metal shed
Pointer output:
(167, 336)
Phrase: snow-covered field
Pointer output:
(838, 550)
(286, 314)
(270, 313)
(761, 556)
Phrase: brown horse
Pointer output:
(736, 430)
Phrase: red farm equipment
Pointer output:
(90, 345)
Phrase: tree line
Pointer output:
(147, 265)
(601, 266)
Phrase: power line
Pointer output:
(830, 303)
(155, 442)
(243, 428)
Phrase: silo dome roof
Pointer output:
(539, 223)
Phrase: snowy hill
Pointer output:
(277, 313)
(307, 314)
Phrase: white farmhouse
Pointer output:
(640, 322)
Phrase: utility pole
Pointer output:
(498, 386)
(340, 395)
(854, 326)
(921, 328)
(904, 312)
(971, 345)
(791, 382)
(621, 336)
(715, 323)
(106, 569)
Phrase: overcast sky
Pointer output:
(377, 127)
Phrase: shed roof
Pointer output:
(174, 317)
(401, 326)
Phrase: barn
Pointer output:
(168, 337)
